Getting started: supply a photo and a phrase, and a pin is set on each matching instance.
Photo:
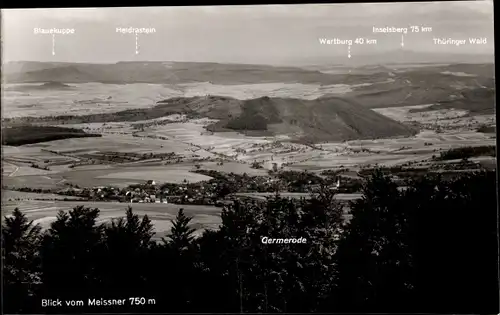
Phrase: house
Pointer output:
(336, 186)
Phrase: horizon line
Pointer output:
(291, 64)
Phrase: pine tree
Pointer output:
(127, 241)
(238, 220)
(21, 269)
(373, 243)
(131, 231)
(179, 254)
(70, 253)
(181, 235)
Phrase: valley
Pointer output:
(199, 135)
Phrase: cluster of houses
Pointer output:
(181, 194)
(210, 192)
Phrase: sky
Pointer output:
(259, 34)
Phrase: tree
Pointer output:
(373, 243)
(428, 248)
(181, 234)
(20, 241)
(237, 222)
(179, 252)
(126, 244)
(223, 189)
(69, 254)
(454, 243)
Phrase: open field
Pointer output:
(11, 195)
(107, 176)
(24, 156)
(28, 171)
(45, 212)
(392, 152)
(184, 139)
(235, 145)
(189, 140)
(115, 143)
(84, 98)
(158, 175)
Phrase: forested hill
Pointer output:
(327, 118)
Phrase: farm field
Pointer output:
(234, 145)
(118, 176)
(392, 152)
(158, 175)
(11, 195)
(114, 143)
(8, 169)
(238, 150)
(34, 181)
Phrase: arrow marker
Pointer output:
(348, 51)
(53, 44)
(136, 43)
(402, 41)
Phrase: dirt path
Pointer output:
(17, 169)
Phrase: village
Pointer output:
(217, 191)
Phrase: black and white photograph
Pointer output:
(319, 158)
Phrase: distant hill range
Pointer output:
(160, 73)
(465, 86)
(468, 86)
(327, 118)
(219, 73)
(394, 57)
(49, 86)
